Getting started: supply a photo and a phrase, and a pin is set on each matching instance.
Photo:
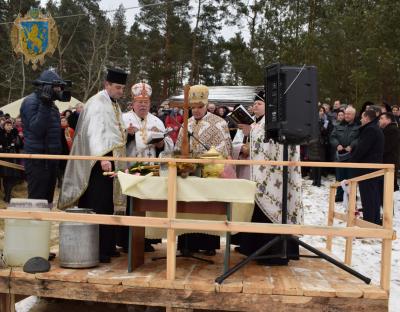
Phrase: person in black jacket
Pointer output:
(370, 150)
(42, 133)
(391, 152)
(10, 142)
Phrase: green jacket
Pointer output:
(345, 134)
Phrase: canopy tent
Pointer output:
(13, 108)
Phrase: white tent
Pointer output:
(13, 108)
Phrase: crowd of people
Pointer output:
(368, 136)
(99, 128)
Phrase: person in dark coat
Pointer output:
(391, 133)
(10, 142)
(317, 149)
(42, 132)
(343, 139)
(370, 150)
(74, 116)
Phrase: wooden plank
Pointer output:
(285, 282)
(257, 279)
(224, 226)
(190, 299)
(363, 177)
(7, 302)
(142, 276)
(358, 222)
(203, 161)
(366, 224)
(351, 210)
(11, 165)
(202, 277)
(86, 218)
(201, 225)
(110, 274)
(171, 237)
(387, 223)
(313, 283)
(331, 213)
(373, 292)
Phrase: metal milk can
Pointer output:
(79, 242)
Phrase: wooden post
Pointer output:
(185, 138)
(7, 302)
(351, 209)
(331, 214)
(386, 255)
(171, 237)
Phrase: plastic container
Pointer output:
(25, 239)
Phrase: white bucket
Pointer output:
(25, 239)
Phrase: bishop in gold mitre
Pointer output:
(210, 130)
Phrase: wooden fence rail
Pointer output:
(354, 227)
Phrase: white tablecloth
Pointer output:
(240, 193)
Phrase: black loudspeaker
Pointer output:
(291, 104)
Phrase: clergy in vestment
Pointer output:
(141, 125)
(206, 130)
(99, 132)
(269, 179)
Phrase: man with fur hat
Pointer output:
(99, 132)
(206, 130)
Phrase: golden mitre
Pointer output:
(198, 94)
(141, 91)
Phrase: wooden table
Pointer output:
(139, 207)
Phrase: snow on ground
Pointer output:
(366, 252)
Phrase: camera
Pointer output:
(49, 94)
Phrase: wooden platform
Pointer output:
(309, 284)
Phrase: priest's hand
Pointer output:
(106, 165)
(131, 129)
(245, 128)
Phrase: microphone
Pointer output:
(206, 146)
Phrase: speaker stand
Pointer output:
(284, 238)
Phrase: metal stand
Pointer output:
(185, 253)
(258, 254)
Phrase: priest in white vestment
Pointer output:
(142, 127)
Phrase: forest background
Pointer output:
(353, 43)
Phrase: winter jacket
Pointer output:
(10, 143)
(345, 134)
(42, 129)
(391, 153)
(370, 144)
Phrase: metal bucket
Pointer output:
(79, 242)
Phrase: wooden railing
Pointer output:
(354, 227)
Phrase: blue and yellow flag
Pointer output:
(35, 35)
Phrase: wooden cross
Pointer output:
(186, 106)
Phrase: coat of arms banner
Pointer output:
(35, 35)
